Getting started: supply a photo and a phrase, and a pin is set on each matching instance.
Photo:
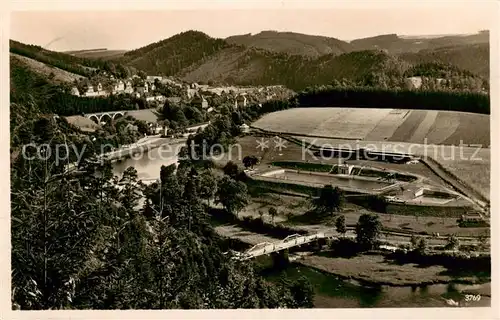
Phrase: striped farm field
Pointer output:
(397, 125)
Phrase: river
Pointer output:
(330, 291)
(149, 162)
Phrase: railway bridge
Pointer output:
(98, 117)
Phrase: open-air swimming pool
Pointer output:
(353, 182)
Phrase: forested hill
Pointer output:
(250, 66)
(474, 58)
(256, 66)
(172, 55)
(292, 43)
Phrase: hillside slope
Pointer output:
(292, 43)
(473, 58)
(58, 75)
(260, 67)
(67, 62)
(56, 59)
(25, 83)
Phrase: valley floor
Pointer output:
(374, 269)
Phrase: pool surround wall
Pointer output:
(327, 178)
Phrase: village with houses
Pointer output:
(155, 91)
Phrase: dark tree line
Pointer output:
(365, 97)
(65, 104)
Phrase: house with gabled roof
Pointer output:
(119, 87)
(142, 89)
(128, 87)
(200, 101)
(95, 90)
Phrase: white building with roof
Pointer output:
(75, 92)
(128, 87)
(153, 78)
(414, 82)
(245, 128)
(119, 87)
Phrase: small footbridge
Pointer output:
(291, 241)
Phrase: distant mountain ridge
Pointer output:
(287, 58)
(291, 59)
(395, 44)
(85, 50)
(99, 53)
(314, 45)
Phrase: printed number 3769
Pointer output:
(472, 297)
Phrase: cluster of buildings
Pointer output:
(119, 87)
(195, 93)
(416, 82)
(239, 94)
(97, 90)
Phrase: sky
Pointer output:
(124, 30)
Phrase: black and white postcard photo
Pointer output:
(268, 157)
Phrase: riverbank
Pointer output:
(141, 146)
(333, 292)
(378, 270)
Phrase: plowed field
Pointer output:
(415, 126)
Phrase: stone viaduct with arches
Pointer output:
(99, 117)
